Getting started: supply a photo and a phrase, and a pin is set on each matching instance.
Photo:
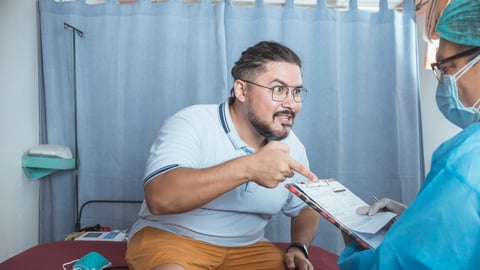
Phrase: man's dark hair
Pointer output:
(253, 60)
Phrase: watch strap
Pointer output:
(300, 246)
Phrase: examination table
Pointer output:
(51, 256)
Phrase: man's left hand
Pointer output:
(295, 259)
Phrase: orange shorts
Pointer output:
(151, 247)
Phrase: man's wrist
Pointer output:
(300, 246)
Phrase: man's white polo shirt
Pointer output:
(202, 136)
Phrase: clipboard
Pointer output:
(338, 205)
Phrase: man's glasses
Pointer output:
(280, 92)
(437, 68)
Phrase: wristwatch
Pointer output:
(300, 246)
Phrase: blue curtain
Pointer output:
(136, 64)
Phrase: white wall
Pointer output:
(19, 121)
(18, 124)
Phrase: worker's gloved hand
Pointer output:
(381, 205)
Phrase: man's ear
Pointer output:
(240, 90)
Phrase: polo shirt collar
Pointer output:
(229, 128)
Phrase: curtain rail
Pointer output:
(333, 4)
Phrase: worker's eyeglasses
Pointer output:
(280, 92)
(437, 68)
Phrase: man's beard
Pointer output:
(264, 130)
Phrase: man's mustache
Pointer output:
(285, 112)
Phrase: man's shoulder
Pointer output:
(199, 117)
(197, 112)
(198, 108)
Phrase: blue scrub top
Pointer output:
(441, 228)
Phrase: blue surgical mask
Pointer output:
(91, 261)
(449, 103)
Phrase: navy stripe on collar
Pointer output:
(223, 116)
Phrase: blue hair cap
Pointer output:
(460, 22)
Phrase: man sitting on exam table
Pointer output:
(441, 227)
(216, 176)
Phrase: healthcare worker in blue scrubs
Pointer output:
(441, 227)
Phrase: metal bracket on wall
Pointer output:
(75, 32)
